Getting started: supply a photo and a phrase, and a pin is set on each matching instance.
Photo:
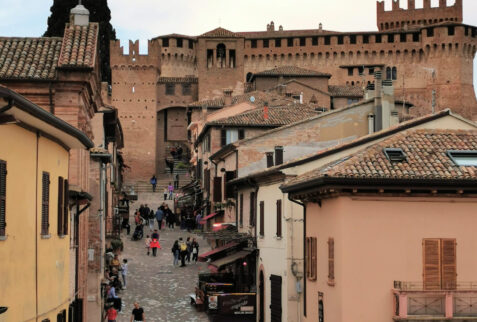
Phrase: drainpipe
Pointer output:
(77, 242)
(50, 93)
(36, 224)
(236, 194)
(304, 250)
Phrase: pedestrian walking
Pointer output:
(124, 271)
(112, 314)
(167, 214)
(189, 249)
(154, 244)
(175, 253)
(183, 251)
(195, 250)
(171, 191)
(159, 217)
(153, 182)
(151, 220)
(111, 297)
(148, 244)
(176, 181)
(137, 314)
(166, 193)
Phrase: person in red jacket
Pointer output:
(154, 245)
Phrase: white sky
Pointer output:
(145, 19)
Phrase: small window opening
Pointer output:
(191, 44)
(165, 42)
(415, 37)
(266, 43)
(314, 41)
(290, 42)
(430, 32)
(221, 50)
(451, 30)
(403, 38)
(269, 159)
(254, 43)
(395, 155)
(350, 71)
(210, 58)
(340, 40)
(390, 38)
(170, 89)
(179, 42)
(232, 58)
(365, 39)
(327, 40)
(463, 158)
(378, 39)
(302, 41)
(278, 42)
(371, 71)
(352, 39)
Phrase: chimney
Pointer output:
(378, 112)
(265, 111)
(79, 15)
(369, 92)
(320, 27)
(387, 103)
(204, 112)
(228, 97)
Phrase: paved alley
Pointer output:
(161, 289)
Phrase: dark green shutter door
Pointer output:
(276, 298)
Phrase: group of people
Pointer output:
(114, 285)
(183, 250)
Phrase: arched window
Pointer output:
(388, 73)
(249, 77)
(221, 51)
(394, 72)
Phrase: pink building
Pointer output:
(389, 230)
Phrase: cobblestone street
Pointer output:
(159, 287)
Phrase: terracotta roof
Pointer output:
(29, 58)
(291, 71)
(79, 46)
(260, 98)
(277, 116)
(163, 80)
(175, 36)
(345, 91)
(220, 33)
(426, 158)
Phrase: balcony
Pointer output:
(414, 302)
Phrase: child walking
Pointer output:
(148, 244)
(124, 271)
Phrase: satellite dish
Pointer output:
(252, 99)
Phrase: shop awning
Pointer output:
(203, 221)
(229, 259)
(203, 257)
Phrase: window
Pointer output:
(451, 30)
(61, 206)
(269, 159)
(395, 155)
(241, 134)
(253, 43)
(210, 58)
(430, 32)
(191, 44)
(179, 42)
(388, 73)
(365, 39)
(290, 42)
(311, 258)
(3, 198)
(371, 71)
(165, 42)
(394, 73)
(61, 317)
(217, 189)
(170, 89)
(221, 50)
(340, 40)
(439, 264)
(361, 70)
(266, 43)
(206, 144)
(278, 42)
(403, 38)
(302, 41)
(252, 209)
(207, 181)
(262, 218)
(186, 90)
(463, 158)
(378, 39)
(198, 169)
(314, 41)
(45, 203)
(327, 40)
(350, 71)
(279, 218)
(390, 38)
(229, 136)
(331, 261)
(232, 58)
(229, 191)
(352, 101)
(352, 39)
(241, 210)
(278, 155)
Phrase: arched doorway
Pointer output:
(261, 296)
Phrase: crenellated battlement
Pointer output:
(133, 57)
(402, 19)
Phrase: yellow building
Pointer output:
(34, 210)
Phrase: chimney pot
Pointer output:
(79, 16)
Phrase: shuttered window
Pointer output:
(217, 189)
(252, 209)
(229, 191)
(3, 197)
(223, 137)
(279, 218)
(262, 218)
(275, 298)
(439, 264)
(61, 206)
(311, 258)
(278, 155)
(241, 210)
(207, 181)
(269, 159)
(66, 216)
(331, 261)
(45, 203)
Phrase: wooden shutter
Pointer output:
(279, 218)
(275, 298)
(432, 264)
(61, 206)
(207, 181)
(45, 203)
(269, 159)
(252, 209)
(331, 260)
(241, 134)
(449, 265)
(229, 176)
(217, 189)
(3, 197)
(262, 218)
(241, 211)
(66, 216)
(278, 155)
(223, 137)
(311, 258)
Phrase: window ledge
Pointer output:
(62, 236)
(331, 282)
(3, 238)
(45, 236)
(278, 237)
(261, 236)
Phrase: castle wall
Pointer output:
(178, 61)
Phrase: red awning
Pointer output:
(218, 264)
(204, 220)
(203, 257)
(213, 269)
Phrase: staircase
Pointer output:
(176, 170)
